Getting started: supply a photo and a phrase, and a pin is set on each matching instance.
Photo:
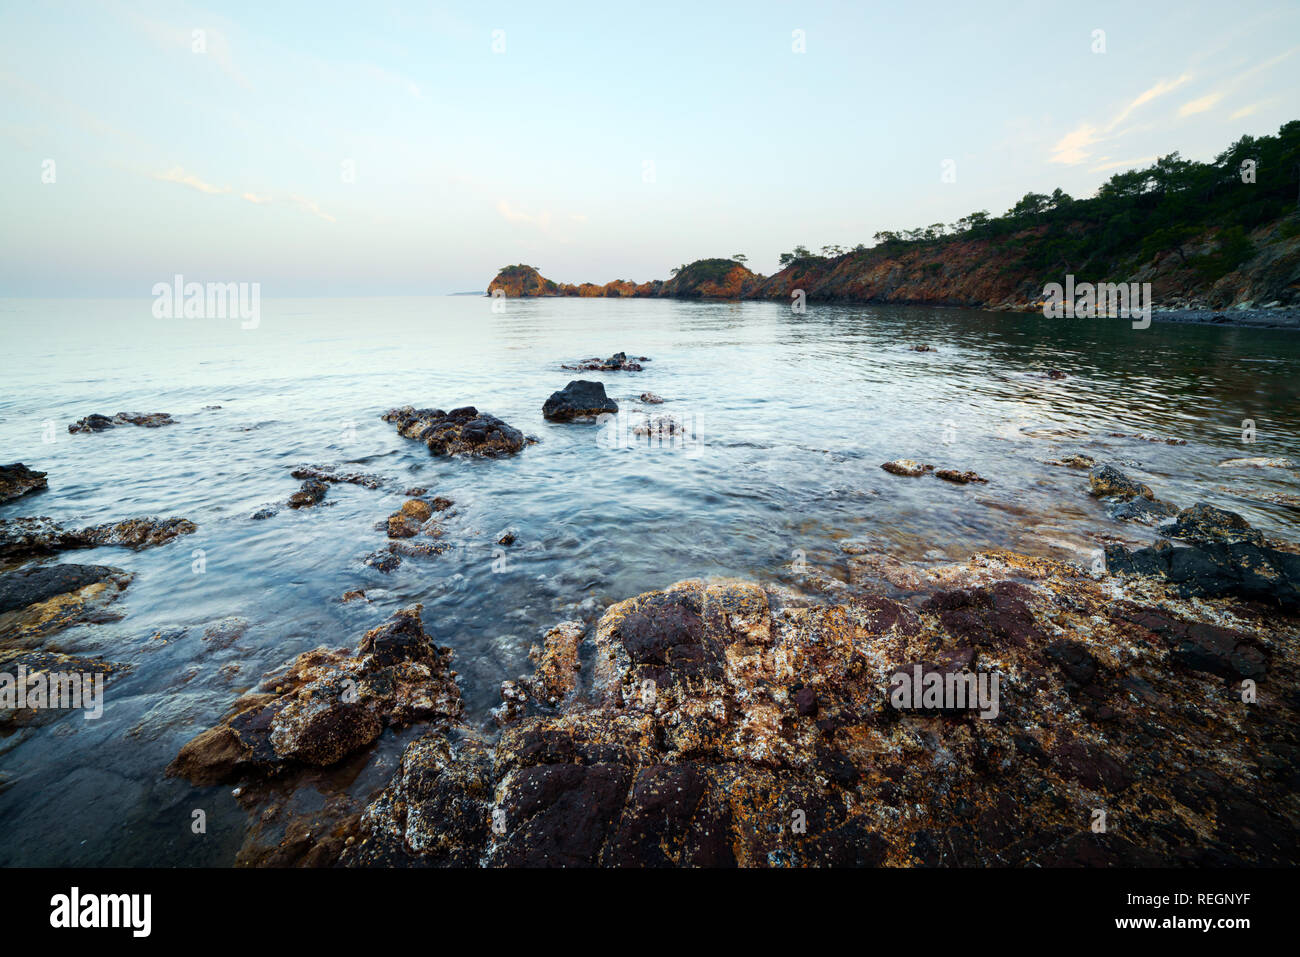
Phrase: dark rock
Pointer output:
(464, 431)
(21, 537)
(38, 601)
(18, 479)
(328, 704)
(1109, 482)
(959, 477)
(98, 423)
(908, 467)
(1203, 523)
(618, 362)
(311, 492)
(1074, 659)
(1146, 511)
(1215, 569)
(330, 474)
(580, 400)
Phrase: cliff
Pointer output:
(1205, 235)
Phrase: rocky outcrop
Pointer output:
(463, 431)
(21, 537)
(310, 493)
(98, 423)
(728, 724)
(17, 480)
(1107, 481)
(618, 362)
(907, 467)
(327, 705)
(40, 600)
(580, 401)
(332, 475)
(41, 669)
(1223, 557)
(959, 477)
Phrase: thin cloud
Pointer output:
(255, 199)
(1118, 164)
(512, 215)
(178, 175)
(310, 206)
(1074, 147)
(1200, 105)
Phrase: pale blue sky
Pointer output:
(229, 165)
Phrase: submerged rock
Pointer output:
(908, 467)
(328, 704)
(17, 480)
(1259, 463)
(618, 362)
(1075, 461)
(98, 423)
(20, 537)
(1138, 509)
(959, 477)
(464, 431)
(310, 493)
(1109, 482)
(330, 474)
(580, 400)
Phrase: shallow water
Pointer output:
(790, 417)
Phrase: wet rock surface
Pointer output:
(99, 423)
(908, 467)
(958, 477)
(580, 400)
(25, 537)
(464, 431)
(618, 362)
(46, 667)
(17, 480)
(1106, 481)
(331, 474)
(42, 599)
(729, 724)
(328, 704)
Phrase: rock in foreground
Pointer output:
(464, 431)
(728, 724)
(327, 705)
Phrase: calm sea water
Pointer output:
(791, 416)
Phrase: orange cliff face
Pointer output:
(705, 279)
(999, 273)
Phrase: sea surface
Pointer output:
(788, 418)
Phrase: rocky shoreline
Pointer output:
(1138, 712)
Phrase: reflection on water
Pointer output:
(791, 414)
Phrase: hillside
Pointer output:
(1205, 235)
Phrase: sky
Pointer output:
(393, 149)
